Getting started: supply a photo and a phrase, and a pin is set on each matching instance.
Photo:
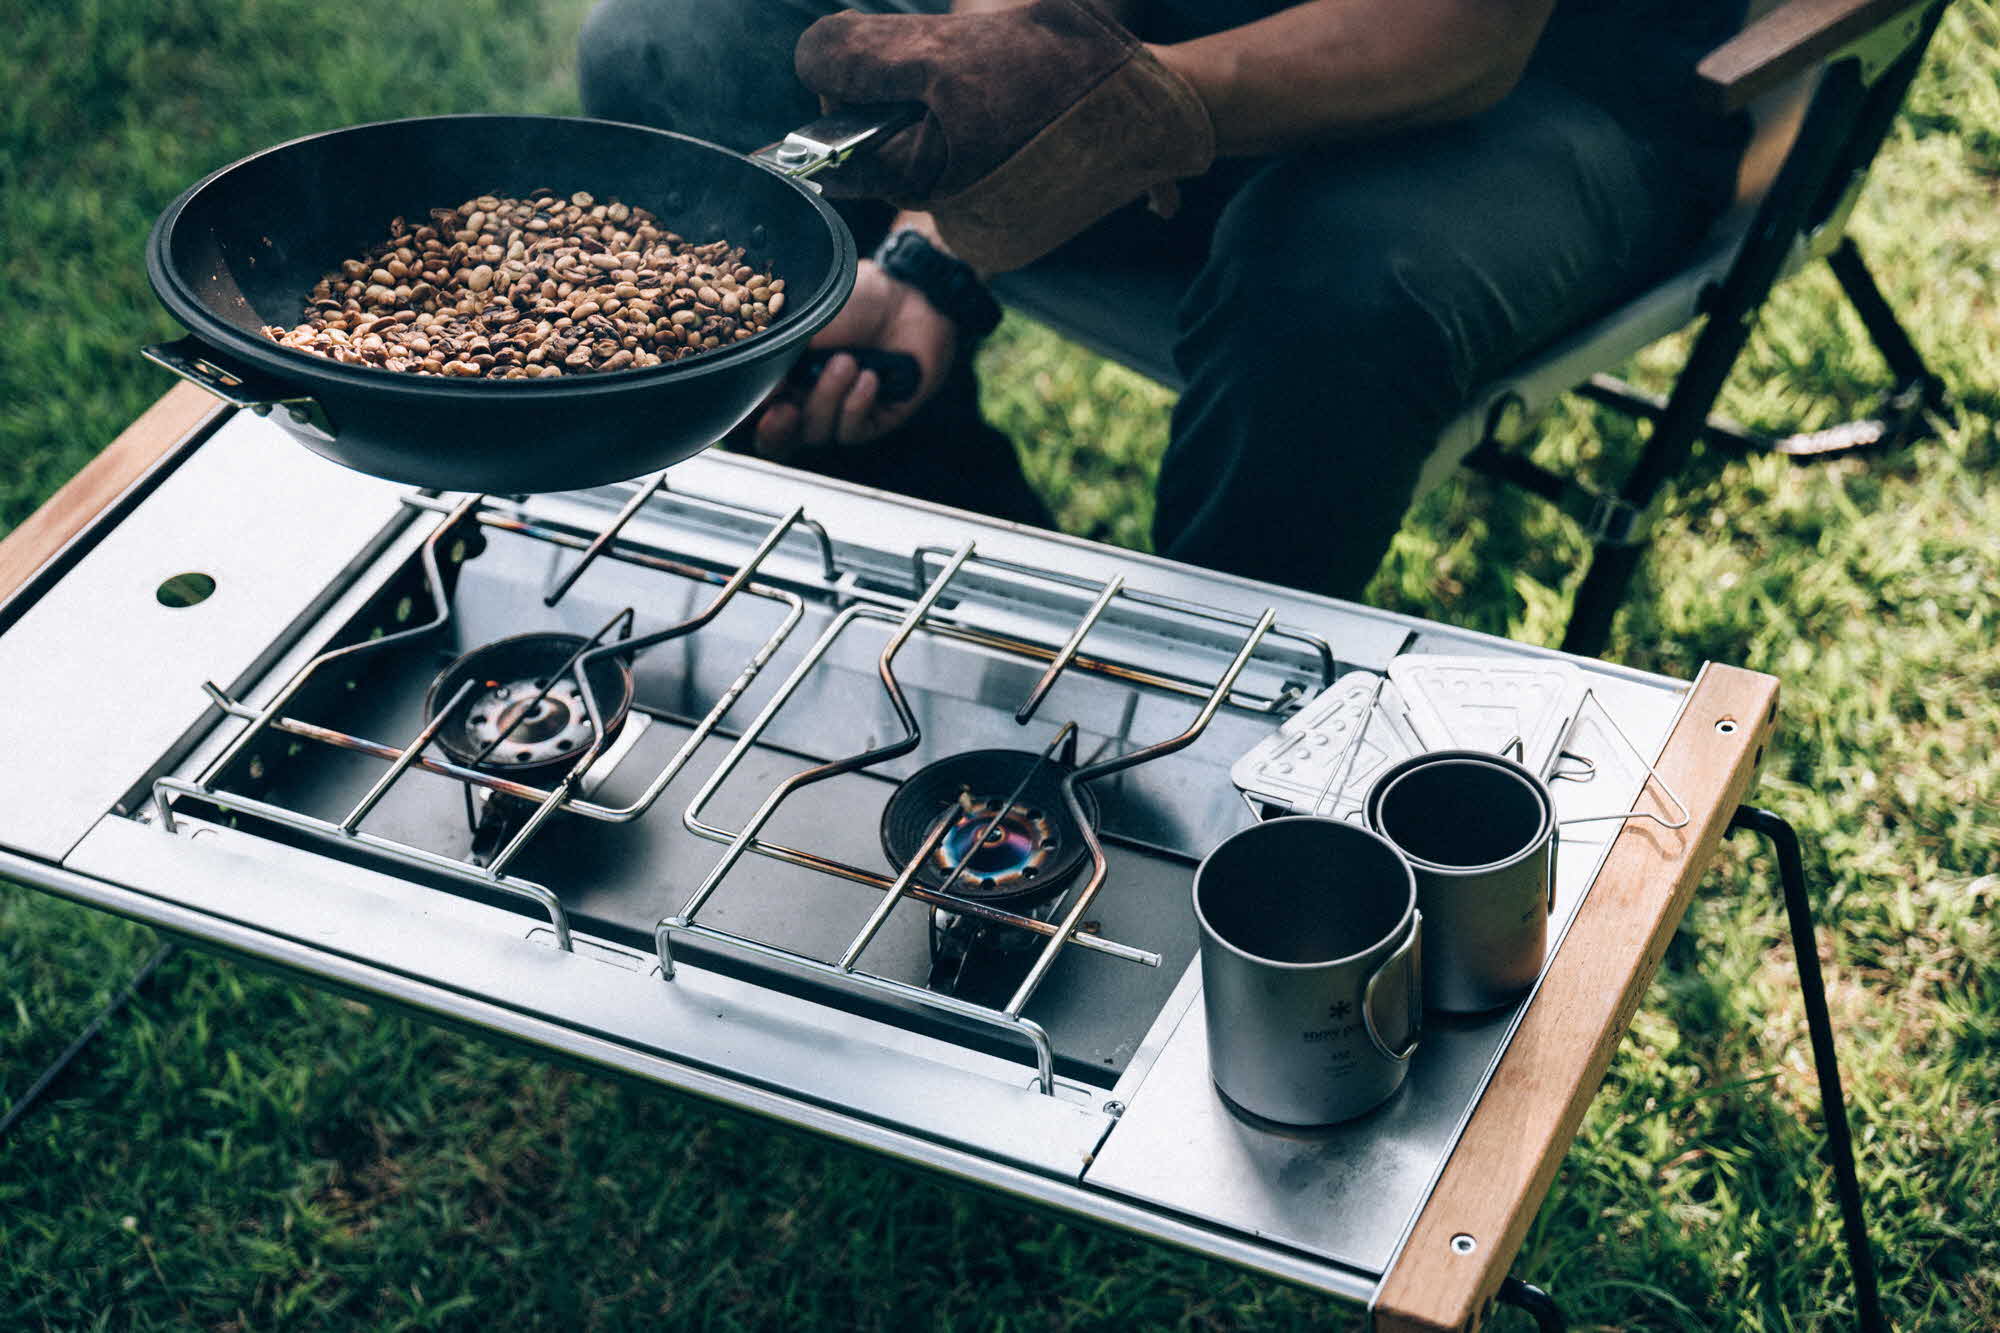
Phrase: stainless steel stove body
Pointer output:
(703, 901)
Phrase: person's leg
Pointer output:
(1354, 297)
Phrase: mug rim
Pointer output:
(1545, 832)
(1404, 922)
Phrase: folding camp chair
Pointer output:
(1822, 80)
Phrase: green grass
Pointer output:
(242, 1153)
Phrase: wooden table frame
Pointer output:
(1456, 1257)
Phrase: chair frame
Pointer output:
(1871, 52)
(1864, 54)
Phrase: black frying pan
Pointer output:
(242, 248)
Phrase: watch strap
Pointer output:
(950, 284)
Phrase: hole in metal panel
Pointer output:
(190, 589)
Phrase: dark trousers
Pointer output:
(1345, 302)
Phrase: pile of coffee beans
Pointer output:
(529, 288)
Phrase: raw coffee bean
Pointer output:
(507, 288)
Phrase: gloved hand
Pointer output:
(1041, 120)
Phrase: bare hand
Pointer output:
(841, 407)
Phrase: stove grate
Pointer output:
(853, 598)
(1057, 934)
(565, 796)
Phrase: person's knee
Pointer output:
(1300, 275)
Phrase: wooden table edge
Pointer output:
(1497, 1176)
(176, 414)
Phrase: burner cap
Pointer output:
(1032, 855)
(542, 724)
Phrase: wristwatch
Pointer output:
(947, 282)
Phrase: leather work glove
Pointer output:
(1041, 120)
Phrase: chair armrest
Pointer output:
(1788, 42)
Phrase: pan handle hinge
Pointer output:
(239, 386)
(832, 139)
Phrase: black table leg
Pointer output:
(56, 1067)
(1537, 1303)
(1819, 1023)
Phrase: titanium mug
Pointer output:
(1480, 831)
(1310, 968)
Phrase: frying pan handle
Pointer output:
(238, 385)
(833, 138)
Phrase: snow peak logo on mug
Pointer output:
(1338, 1010)
(1345, 1030)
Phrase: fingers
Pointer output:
(823, 404)
(866, 58)
(848, 416)
(855, 425)
(777, 433)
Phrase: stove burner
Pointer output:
(1021, 844)
(1033, 853)
(517, 721)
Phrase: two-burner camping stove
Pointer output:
(871, 817)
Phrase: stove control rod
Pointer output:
(1025, 1028)
(165, 788)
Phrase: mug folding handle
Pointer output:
(1413, 1002)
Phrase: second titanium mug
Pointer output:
(1310, 971)
(1480, 831)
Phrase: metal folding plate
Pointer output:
(1490, 703)
(701, 1020)
(1323, 759)
(102, 676)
